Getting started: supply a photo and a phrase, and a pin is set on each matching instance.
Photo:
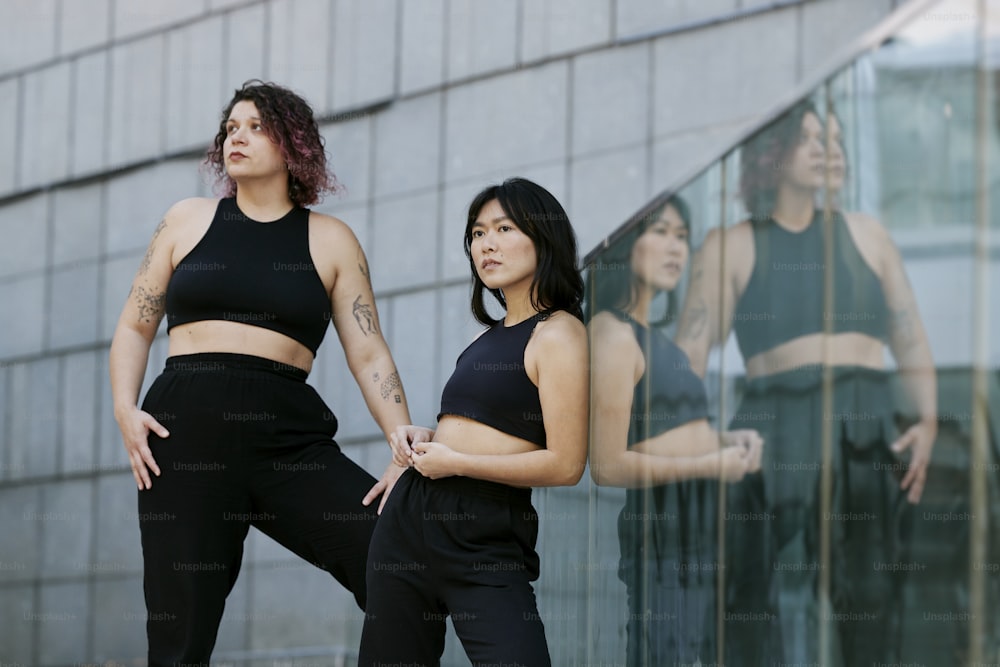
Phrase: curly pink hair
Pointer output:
(289, 122)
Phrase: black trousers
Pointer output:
(251, 444)
(454, 547)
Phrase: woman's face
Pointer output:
(248, 151)
(805, 164)
(836, 161)
(504, 256)
(660, 254)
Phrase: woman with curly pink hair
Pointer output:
(230, 430)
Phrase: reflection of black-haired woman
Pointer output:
(249, 285)
(650, 434)
(771, 288)
(457, 537)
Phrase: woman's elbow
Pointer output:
(606, 473)
(566, 473)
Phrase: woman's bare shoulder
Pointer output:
(191, 208)
(560, 328)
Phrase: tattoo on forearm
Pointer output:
(150, 304)
(693, 325)
(363, 265)
(148, 257)
(365, 317)
(390, 383)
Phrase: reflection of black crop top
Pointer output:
(783, 299)
(254, 273)
(668, 394)
(491, 386)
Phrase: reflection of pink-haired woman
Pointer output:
(770, 288)
(249, 285)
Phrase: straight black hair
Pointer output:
(611, 278)
(557, 284)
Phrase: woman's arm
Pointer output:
(356, 320)
(910, 348)
(140, 318)
(617, 365)
(557, 356)
(710, 301)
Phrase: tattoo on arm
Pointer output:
(365, 317)
(148, 257)
(363, 266)
(693, 326)
(150, 304)
(390, 383)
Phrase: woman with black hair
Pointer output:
(815, 298)
(650, 434)
(457, 535)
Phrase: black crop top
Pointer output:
(668, 394)
(783, 299)
(490, 385)
(254, 273)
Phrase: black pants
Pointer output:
(669, 563)
(453, 547)
(251, 444)
(774, 523)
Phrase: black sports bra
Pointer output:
(255, 273)
(668, 394)
(783, 299)
(490, 385)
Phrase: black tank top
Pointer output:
(490, 385)
(668, 394)
(255, 273)
(783, 299)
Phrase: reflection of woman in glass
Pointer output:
(804, 295)
(457, 537)
(650, 434)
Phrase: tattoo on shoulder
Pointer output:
(390, 383)
(150, 304)
(148, 257)
(365, 316)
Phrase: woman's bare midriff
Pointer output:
(841, 349)
(238, 338)
(472, 437)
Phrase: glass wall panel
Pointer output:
(795, 403)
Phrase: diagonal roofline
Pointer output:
(868, 41)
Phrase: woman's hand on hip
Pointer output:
(384, 485)
(135, 427)
(919, 439)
